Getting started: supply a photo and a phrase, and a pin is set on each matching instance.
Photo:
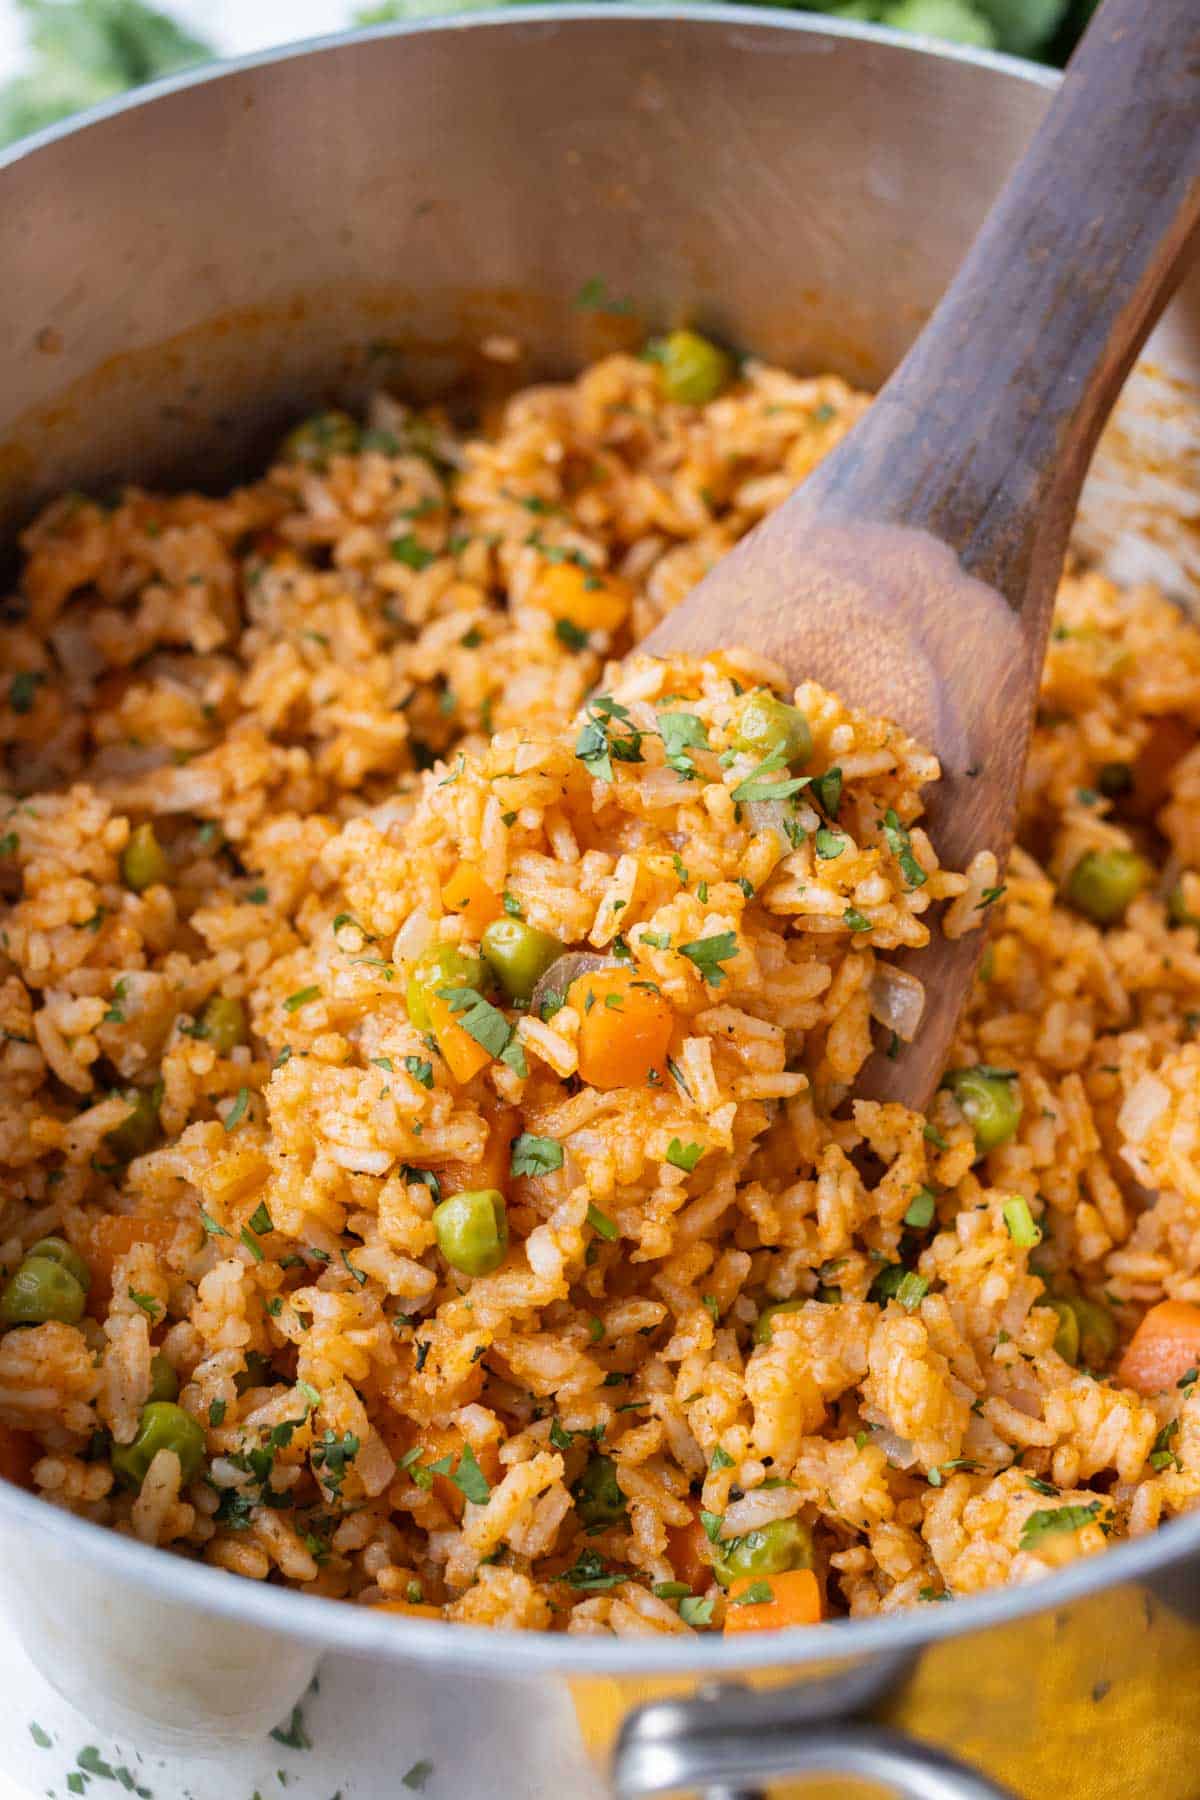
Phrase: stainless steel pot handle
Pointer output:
(658, 1754)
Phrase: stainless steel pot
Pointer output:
(185, 271)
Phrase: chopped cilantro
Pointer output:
(1022, 1228)
(602, 1225)
(681, 733)
(757, 1594)
(358, 1274)
(684, 1156)
(828, 791)
(470, 1479)
(1057, 1518)
(601, 740)
(760, 785)
(911, 1290)
(535, 1155)
(251, 1242)
(479, 1018)
(237, 1111)
(293, 1735)
(408, 551)
(332, 1454)
(900, 844)
(148, 1304)
(300, 998)
(419, 1067)
(709, 953)
(920, 1210)
(590, 1576)
(570, 635)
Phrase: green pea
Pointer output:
(42, 1289)
(762, 1325)
(783, 1544)
(768, 725)
(56, 1249)
(991, 1102)
(472, 1230)
(598, 1495)
(1066, 1338)
(223, 1023)
(163, 1426)
(1097, 1332)
(693, 370)
(518, 956)
(315, 440)
(143, 860)
(164, 1382)
(443, 966)
(138, 1131)
(1104, 882)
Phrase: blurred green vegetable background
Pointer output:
(87, 50)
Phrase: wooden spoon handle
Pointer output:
(984, 433)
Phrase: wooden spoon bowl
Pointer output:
(914, 572)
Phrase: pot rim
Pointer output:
(166, 1577)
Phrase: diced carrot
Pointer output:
(795, 1600)
(491, 1170)
(1168, 740)
(409, 1608)
(1163, 1348)
(468, 895)
(440, 1441)
(464, 1057)
(111, 1237)
(583, 597)
(625, 1029)
(18, 1453)
(687, 1547)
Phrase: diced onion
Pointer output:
(413, 938)
(1144, 1102)
(562, 972)
(897, 1449)
(897, 1000)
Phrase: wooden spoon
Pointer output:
(914, 571)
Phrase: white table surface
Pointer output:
(368, 1727)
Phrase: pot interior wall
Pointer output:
(185, 276)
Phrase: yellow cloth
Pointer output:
(1101, 1702)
